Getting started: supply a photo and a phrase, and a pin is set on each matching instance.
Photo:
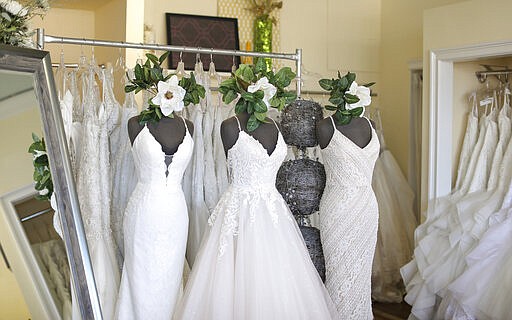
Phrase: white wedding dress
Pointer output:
(93, 195)
(348, 223)
(155, 231)
(253, 263)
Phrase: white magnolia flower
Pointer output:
(362, 92)
(268, 89)
(44, 192)
(39, 153)
(170, 96)
(14, 8)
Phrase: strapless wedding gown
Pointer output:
(253, 263)
(155, 231)
(349, 219)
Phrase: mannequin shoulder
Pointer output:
(134, 127)
(190, 126)
(324, 132)
(229, 132)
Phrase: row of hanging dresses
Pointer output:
(395, 236)
(98, 144)
(206, 177)
(459, 235)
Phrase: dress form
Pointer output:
(358, 131)
(266, 133)
(169, 132)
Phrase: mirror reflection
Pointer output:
(31, 220)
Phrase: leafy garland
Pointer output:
(148, 76)
(256, 103)
(349, 99)
(42, 176)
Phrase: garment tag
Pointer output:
(485, 101)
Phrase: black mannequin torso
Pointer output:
(169, 132)
(358, 131)
(266, 133)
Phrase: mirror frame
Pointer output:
(38, 63)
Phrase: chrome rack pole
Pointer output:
(42, 38)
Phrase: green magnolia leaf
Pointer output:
(331, 108)
(248, 96)
(289, 96)
(153, 58)
(326, 84)
(138, 72)
(284, 77)
(241, 106)
(260, 116)
(260, 106)
(336, 100)
(229, 96)
(368, 84)
(350, 98)
(356, 112)
(158, 113)
(130, 88)
(258, 95)
(343, 84)
(147, 64)
(260, 66)
(250, 107)
(35, 137)
(228, 84)
(252, 123)
(163, 57)
(351, 77)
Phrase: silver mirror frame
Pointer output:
(39, 64)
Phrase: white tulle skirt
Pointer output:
(253, 264)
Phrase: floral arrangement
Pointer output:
(169, 93)
(42, 176)
(263, 8)
(258, 89)
(14, 18)
(349, 98)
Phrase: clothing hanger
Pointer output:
(180, 68)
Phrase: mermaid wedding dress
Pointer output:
(348, 223)
(253, 263)
(155, 231)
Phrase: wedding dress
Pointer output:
(93, 196)
(253, 263)
(122, 168)
(155, 231)
(348, 223)
(395, 241)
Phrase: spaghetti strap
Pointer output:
(185, 123)
(333, 124)
(275, 124)
(239, 127)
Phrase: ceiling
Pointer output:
(78, 4)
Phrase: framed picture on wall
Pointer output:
(206, 32)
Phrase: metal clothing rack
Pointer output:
(35, 215)
(502, 74)
(42, 38)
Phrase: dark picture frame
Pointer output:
(205, 32)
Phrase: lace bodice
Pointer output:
(150, 159)
(346, 163)
(250, 165)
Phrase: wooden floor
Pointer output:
(391, 311)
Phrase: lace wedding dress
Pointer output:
(348, 223)
(253, 263)
(93, 196)
(155, 231)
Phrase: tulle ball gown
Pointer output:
(253, 263)
(155, 231)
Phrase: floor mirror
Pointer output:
(29, 104)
